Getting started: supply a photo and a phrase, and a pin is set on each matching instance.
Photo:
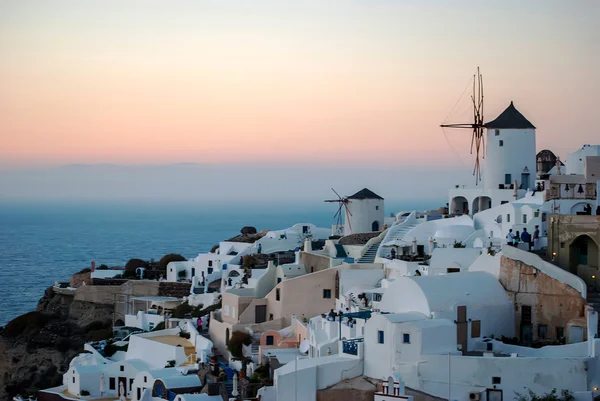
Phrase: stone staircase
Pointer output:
(593, 300)
(255, 348)
(398, 232)
(369, 256)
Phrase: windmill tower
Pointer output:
(510, 154)
(363, 212)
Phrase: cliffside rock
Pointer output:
(248, 230)
(36, 348)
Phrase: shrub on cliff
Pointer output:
(26, 324)
(171, 257)
(132, 265)
(238, 338)
(100, 334)
(97, 325)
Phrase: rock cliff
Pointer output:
(36, 348)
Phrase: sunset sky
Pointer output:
(319, 82)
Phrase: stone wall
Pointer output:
(177, 290)
(78, 279)
(314, 263)
(563, 232)
(553, 303)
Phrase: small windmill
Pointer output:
(477, 126)
(338, 215)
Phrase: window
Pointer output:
(269, 340)
(278, 280)
(73, 379)
(327, 294)
(508, 218)
(496, 380)
(496, 132)
(150, 327)
(501, 142)
(210, 270)
(406, 338)
(476, 329)
(111, 383)
(210, 263)
(145, 379)
(226, 310)
(503, 202)
(507, 179)
(453, 270)
(277, 295)
(122, 368)
(542, 331)
(233, 312)
(376, 207)
(524, 219)
(380, 337)
(536, 214)
(560, 332)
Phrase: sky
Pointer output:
(331, 85)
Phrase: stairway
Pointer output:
(369, 256)
(255, 346)
(593, 300)
(398, 232)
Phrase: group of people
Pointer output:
(332, 315)
(514, 239)
(587, 209)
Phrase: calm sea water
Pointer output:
(41, 243)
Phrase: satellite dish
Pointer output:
(304, 346)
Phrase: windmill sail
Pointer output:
(477, 126)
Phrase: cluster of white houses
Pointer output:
(426, 304)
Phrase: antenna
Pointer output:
(477, 126)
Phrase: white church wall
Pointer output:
(576, 160)
(474, 374)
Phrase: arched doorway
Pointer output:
(583, 253)
(375, 226)
(459, 205)
(481, 203)
(578, 207)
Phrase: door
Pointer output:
(260, 313)
(526, 328)
(139, 393)
(122, 380)
(462, 327)
(575, 334)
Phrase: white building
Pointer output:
(576, 160)
(475, 300)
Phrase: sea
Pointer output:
(44, 242)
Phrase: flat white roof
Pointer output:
(157, 299)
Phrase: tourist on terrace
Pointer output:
(516, 239)
(331, 315)
(536, 237)
(393, 253)
(510, 237)
(526, 237)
